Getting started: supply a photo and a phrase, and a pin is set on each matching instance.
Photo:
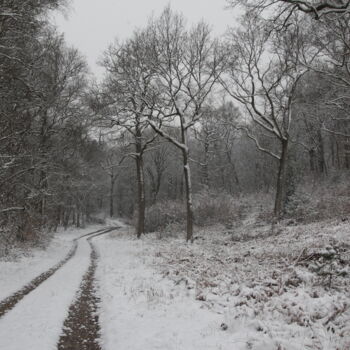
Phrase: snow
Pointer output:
(265, 286)
(14, 274)
(142, 310)
(36, 321)
(246, 291)
(223, 292)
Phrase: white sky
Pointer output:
(91, 25)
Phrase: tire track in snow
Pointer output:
(10, 302)
(81, 329)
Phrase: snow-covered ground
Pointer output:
(242, 289)
(227, 292)
(15, 272)
(36, 321)
(142, 310)
(274, 291)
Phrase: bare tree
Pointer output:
(263, 77)
(229, 118)
(127, 84)
(285, 8)
(187, 64)
(60, 84)
(112, 166)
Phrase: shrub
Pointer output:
(325, 200)
(164, 213)
(211, 208)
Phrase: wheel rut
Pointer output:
(81, 329)
(10, 302)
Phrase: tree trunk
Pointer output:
(74, 216)
(206, 165)
(333, 152)
(111, 200)
(157, 189)
(189, 204)
(188, 187)
(141, 201)
(281, 181)
(66, 218)
(140, 197)
(43, 184)
(312, 159)
(78, 217)
(234, 171)
(153, 187)
(321, 157)
(340, 165)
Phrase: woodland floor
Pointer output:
(254, 287)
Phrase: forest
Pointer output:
(226, 159)
(185, 128)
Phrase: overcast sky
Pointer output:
(91, 25)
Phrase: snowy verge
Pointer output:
(287, 290)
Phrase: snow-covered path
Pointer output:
(135, 300)
(14, 274)
(34, 316)
(36, 321)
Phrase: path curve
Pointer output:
(81, 329)
(10, 302)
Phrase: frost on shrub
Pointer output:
(213, 208)
(298, 206)
(20, 231)
(209, 208)
(315, 203)
(164, 213)
(328, 263)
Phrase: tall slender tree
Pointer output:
(186, 64)
(127, 83)
(263, 77)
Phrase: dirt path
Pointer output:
(11, 301)
(81, 328)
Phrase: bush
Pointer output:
(325, 200)
(297, 204)
(164, 213)
(211, 208)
